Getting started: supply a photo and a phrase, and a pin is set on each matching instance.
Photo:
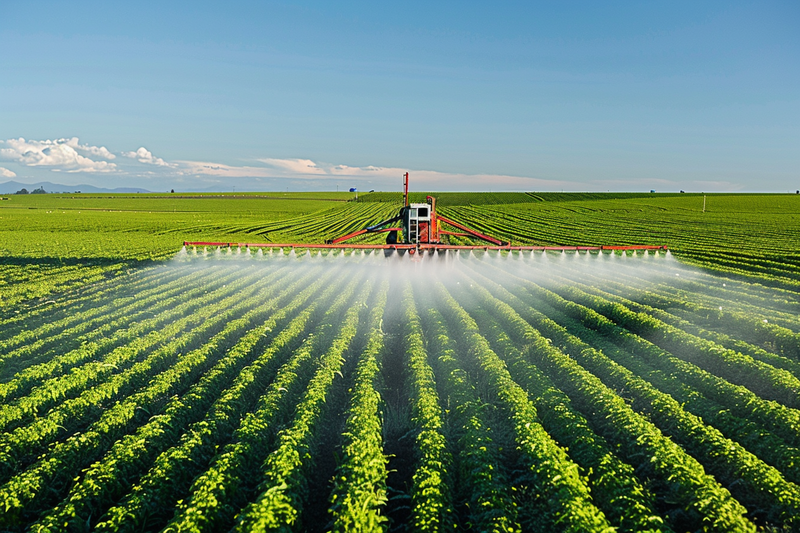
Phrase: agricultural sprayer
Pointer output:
(417, 229)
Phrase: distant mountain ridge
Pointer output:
(10, 187)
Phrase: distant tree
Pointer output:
(40, 190)
(22, 191)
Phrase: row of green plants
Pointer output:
(706, 505)
(724, 321)
(329, 224)
(232, 477)
(93, 346)
(94, 361)
(772, 415)
(40, 282)
(172, 472)
(720, 334)
(754, 437)
(81, 307)
(615, 487)
(738, 326)
(226, 428)
(286, 471)
(218, 392)
(767, 446)
(431, 498)
(359, 489)
(24, 491)
(756, 484)
(482, 492)
(718, 247)
(555, 474)
(700, 296)
(764, 379)
(778, 338)
(19, 446)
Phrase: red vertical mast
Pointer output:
(405, 189)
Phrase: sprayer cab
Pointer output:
(419, 223)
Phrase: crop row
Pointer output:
(87, 301)
(704, 500)
(547, 463)
(102, 481)
(111, 347)
(28, 440)
(21, 492)
(430, 496)
(780, 453)
(285, 472)
(173, 470)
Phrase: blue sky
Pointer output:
(464, 95)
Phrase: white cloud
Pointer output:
(7, 173)
(143, 155)
(295, 166)
(59, 154)
(227, 171)
(99, 151)
(382, 178)
(391, 178)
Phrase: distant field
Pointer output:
(744, 233)
(248, 204)
(736, 231)
(150, 226)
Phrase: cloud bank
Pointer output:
(384, 178)
(69, 155)
(58, 155)
(141, 168)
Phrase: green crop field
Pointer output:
(147, 387)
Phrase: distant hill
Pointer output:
(10, 187)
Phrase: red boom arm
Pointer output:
(471, 232)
